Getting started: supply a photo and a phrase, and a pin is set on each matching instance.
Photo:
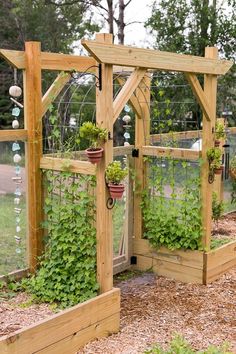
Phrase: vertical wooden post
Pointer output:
(210, 89)
(218, 183)
(33, 123)
(142, 137)
(104, 118)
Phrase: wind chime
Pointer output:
(15, 92)
(126, 119)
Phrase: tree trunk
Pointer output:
(110, 18)
(121, 22)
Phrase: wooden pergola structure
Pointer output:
(100, 316)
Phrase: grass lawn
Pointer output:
(9, 259)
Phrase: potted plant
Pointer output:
(96, 137)
(114, 175)
(232, 168)
(214, 158)
(219, 133)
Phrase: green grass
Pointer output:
(9, 259)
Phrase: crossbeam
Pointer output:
(177, 153)
(12, 135)
(60, 164)
(146, 58)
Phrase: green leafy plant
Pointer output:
(214, 156)
(114, 172)
(232, 168)
(67, 273)
(174, 222)
(217, 208)
(220, 131)
(179, 345)
(94, 134)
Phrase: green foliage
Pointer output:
(175, 221)
(214, 157)
(233, 163)
(95, 135)
(218, 242)
(115, 173)
(67, 273)
(217, 207)
(179, 345)
(220, 131)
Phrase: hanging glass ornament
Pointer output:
(127, 108)
(15, 91)
(16, 158)
(15, 112)
(15, 124)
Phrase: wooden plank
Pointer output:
(54, 91)
(33, 123)
(133, 101)
(57, 164)
(188, 134)
(16, 275)
(127, 91)
(104, 114)
(71, 344)
(11, 135)
(221, 255)
(67, 62)
(199, 94)
(142, 135)
(153, 59)
(123, 150)
(177, 153)
(193, 259)
(215, 273)
(210, 88)
(62, 325)
(170, 270)
(15, 58)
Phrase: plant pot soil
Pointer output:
(94, 155)
(116, 190)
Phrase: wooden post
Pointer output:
(32, 113)
(210, 89)
(104, 118)
(142, 136)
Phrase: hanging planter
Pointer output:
(94, 155)
(114, 175)
(219, 170)
(219, 133)
(96, 137)
(214, 156)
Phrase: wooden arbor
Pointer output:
(104, 310)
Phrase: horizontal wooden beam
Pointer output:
(16, 275)
(199, 94)
(67, 62)
(153, 59)
(60, 164)
(54, 91)
(176, 153)
(123, 150)
(15, 58)
(11, 135)
(188, 134)
(127, 91)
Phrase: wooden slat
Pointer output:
(16, 275)
(123, 150)
(71, 344)
(67, 62)
(33, 122)
(188, 134)
(104, 114)
(133, 101)
(221, 255)
(147, 58)
(54, 90)
(127, 91)
(62, 326)
(177, 153)
(14, 57)
(215, 273)
(199, 94)
(210, 88)
(188, 258)
(11, 135)
(60, 164)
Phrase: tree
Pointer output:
(188, 26)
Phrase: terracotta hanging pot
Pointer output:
(218, 171)
(94, 155)
(217, 143)
(116, 190)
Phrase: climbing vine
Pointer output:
(67, 273)
(171, 205)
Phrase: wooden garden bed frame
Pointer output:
(72, 328)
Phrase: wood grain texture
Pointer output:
(15, 58)
(210, 89)
(177, 153)
(54, 90)
(59, 164)
(146, 58)
(67, 62)
(127, 91)
(188, 134)
(133, 101)
(33, 123)
(61, 327)
(11, 135)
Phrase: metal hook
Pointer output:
(110, 203)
